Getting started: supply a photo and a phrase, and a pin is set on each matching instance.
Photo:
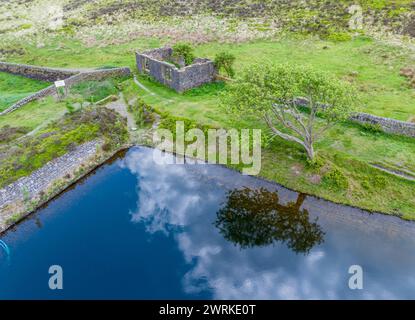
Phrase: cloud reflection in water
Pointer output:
(182, 202)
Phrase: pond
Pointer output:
(135, 229)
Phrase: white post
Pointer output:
(60, 84)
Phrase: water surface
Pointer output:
(135, 229)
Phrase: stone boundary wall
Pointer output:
(40, 94)
(97, 75)
(386, 124)
(151, 62)
(37, 72)
(15, 196)
(73, 79)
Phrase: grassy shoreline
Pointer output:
(347, 151)
(368, 188)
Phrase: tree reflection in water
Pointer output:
(256, 218)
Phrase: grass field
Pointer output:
(40, 112)
(13, 88)
(34, 114)
(372, 66)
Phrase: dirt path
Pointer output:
(142, 86)
(121, 107)
(152, 93)
(138, 136)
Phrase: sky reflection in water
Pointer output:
(135, 229)
(179, 201)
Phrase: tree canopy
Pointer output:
(297, 103)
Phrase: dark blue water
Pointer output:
(135, 229)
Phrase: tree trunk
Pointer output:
(307, 143)
(310, 150)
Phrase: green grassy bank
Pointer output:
(14, 88)
(345, 174)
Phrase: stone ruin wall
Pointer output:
(153, 63)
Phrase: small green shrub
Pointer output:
(379, 181)
(13, 219)
(106, 147)
(365, 184)
(316, 163)
(25, 26)
(339, 37)
(374, 182)
(224, 61)
(68, 30)
(70, 107)
(372, 128)
(335, 179)
(169, 122)
(184, 50)
(141, 112)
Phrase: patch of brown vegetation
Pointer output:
(297, 169)
(8, 133)
(315, 179)
(409, 73)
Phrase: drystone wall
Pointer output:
(97, 75)
(37, 72)
(70, 81)
(153, 63)
(200, 72)
(164, 72)
(32, 187)
(386, 124)
(40, 94)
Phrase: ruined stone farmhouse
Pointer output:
(162, 66)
